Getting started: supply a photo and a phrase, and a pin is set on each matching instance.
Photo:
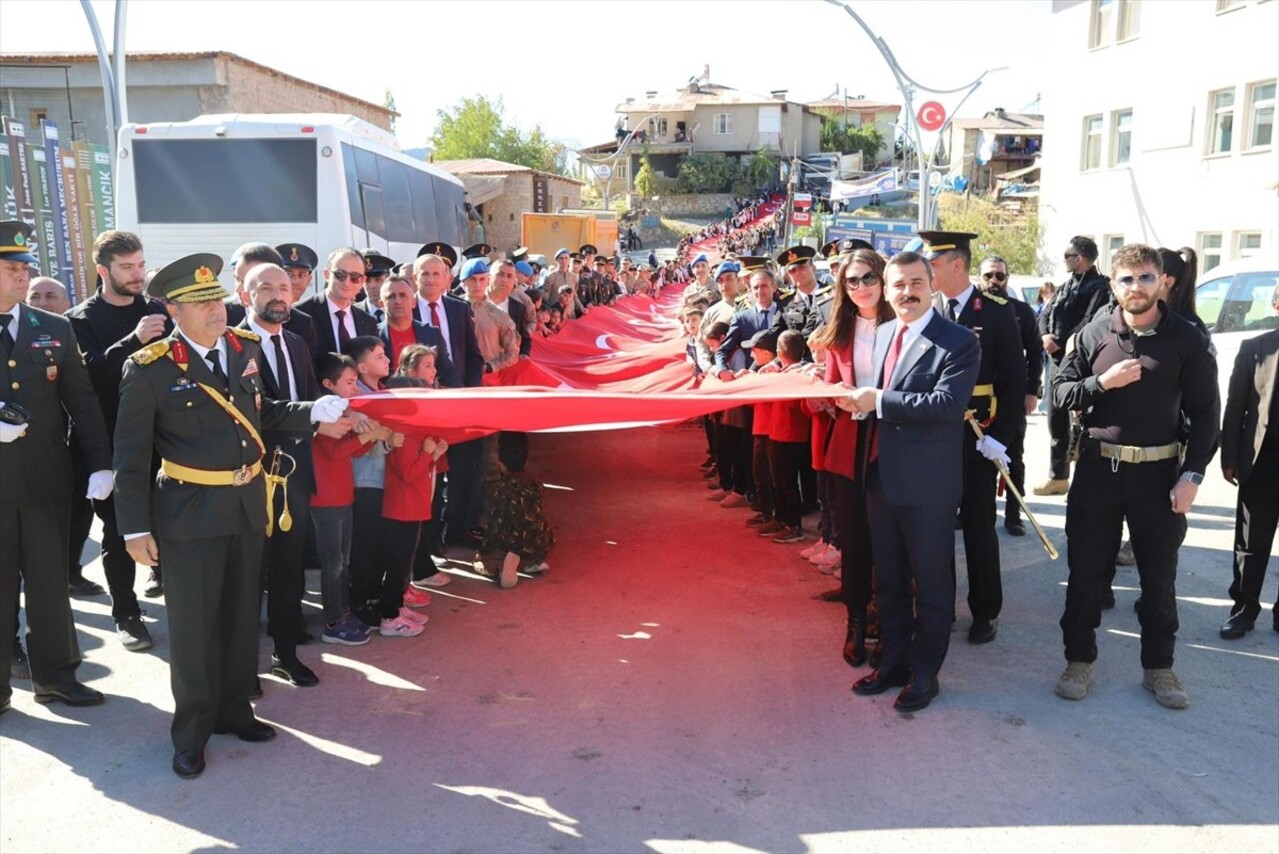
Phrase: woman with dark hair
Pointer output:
(1177, 284)
(849, 338)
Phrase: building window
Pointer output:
(722, 123)
(1120, 137)
(1222, 123)
(1227, 5)
(1247, 243)
(1110, 245)
(657, 126)
(1099, 30)
(1209, 250)
(1092, 143)
(1128, 23)
(1261, 114)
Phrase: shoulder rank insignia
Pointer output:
(151, 352)
(246, 334)
(996, 299)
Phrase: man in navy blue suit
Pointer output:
(398, 299)
(756, 317)
(926, 368)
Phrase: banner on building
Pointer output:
(541, 194)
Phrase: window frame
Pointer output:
(1237, 248)
(1252, 108)
(722, 128)
(1116, 132)
(1128, 18)
(1224, 6)
(1088, 136)
(1206, 251)
(1211, 123)
(1108, 250)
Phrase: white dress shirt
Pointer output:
(288, 385)
(424, 309)
(348, 320)
(864, 351)
(914, 329)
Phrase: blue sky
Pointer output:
(566, 65)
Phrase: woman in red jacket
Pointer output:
(859, 307)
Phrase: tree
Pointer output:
(706, 173)
(475, 128)
(645, 178)
(389, 102)
(1015, 239)
(761, 169)
(836, 136)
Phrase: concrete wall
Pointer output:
(503, 218)
(691, 204)
(1172, 192)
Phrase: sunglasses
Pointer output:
(863, 281)
(996, 275)
(1070, 255)
(1145, 280)
(343, 275)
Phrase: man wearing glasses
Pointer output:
(1133, 375)
(994, 280)
(1075, 301)
(337, 318)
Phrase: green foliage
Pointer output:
(1016, 239)
(846, 140)
(761, 170)
(645, 178)
(706, 173)
(474, 127)
(389, 102)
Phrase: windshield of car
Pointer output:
(1238, 303)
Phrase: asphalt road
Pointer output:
(672, 685)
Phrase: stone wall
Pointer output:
(252, 89)
(688, 204)
(503, 216)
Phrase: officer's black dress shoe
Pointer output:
(81, 586)
(294, 671)
(1015, 527)
(256, 693)
(983, 631)
(255, 731)
(855, 642)
(881, 680)
(835, 594)
(1237, 626)
(1108, 599)
(304, 637)
(188, 764)
(876, 656)
(917, 695)
(72, 693)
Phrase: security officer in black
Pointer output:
(994, 280)
(997, 404)
(197, 398)
(588, 280)
(806, 306)
(1134, 375)
(42, 381)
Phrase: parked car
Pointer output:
(1236, 297)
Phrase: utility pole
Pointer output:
(790, 198)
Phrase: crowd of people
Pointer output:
(1145, 416)
(742, 232)
(212, 435)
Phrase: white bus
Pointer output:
(324, 180)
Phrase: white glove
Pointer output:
(100, 485)
(993, 450)
(12, 432)
(328, 409)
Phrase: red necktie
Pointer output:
(890, 363)
(435, 316)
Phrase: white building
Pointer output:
(1162, 116)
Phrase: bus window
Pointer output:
(374, 218)
(450, 201)
(352, 187)
(397, 201)
(225, 180)
(422, 187)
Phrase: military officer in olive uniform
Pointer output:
(805, 307)
(197, 399)
(997, 403)
(43, 380)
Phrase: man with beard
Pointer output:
(110, 326)
(287, 375)
(994, 280)
(1134, 375)
(1072, 306)
(249, 256)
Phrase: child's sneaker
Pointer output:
(398, 627)
(416, 598)
(414, 616)
(346, 632)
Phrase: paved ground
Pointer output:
(671, 685)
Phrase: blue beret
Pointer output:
(524, 268)
(701, 257)
(473, 267)
(727, 267)
(559, 252)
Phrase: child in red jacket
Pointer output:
(788, 443)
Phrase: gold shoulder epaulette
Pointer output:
(821, 291)
(247, 334)
(151, 352)
(996, 299)
(784, 294)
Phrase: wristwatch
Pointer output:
(1192, 477)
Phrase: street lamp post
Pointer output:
(611, 162)
(907, 86)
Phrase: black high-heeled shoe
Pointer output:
(855, 642)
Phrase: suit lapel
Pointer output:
(1268, 370)
(921, 345)
(883, 339)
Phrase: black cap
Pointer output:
(576, 256)
(190, 279)
(937, 242)
(763, 339)
(796, 255)
(751, 263)
(377, 264)
(588, 249)
(477, 250)
(17, 239)
(297, 256)
(444, 250)
(847, 246)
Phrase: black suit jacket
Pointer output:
(463, 344)
(1250, 403)
(299, 323)
(45, 374)
(162, 413)
(1003, 365)
(301, 362)
(318, 309)
(1032, 344)
(519, 314)
(430, 336)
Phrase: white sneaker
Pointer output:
(398, 627)
(510, 571)
(440, 579)
(819, 546)
(830, 562)
(414, 616)
(537, 568)
(817, 558)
